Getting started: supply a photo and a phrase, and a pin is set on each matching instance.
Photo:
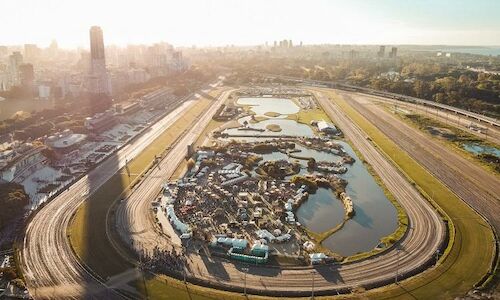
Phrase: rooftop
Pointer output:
(66, 139)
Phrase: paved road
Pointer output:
(134, 218)
(50, 267)
(446, 117)
(426, 232)
(471, 183)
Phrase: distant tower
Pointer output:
(31, 52)
(394, 52)
(381, 51)
(26, 75)
(15, 61)
(98, 60)
(99, 80)
(53, 49)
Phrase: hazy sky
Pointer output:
(221, 22)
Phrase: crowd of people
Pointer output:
(163, 261)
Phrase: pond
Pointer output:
(288, 127)
(480, 149)
(375, 216)
(262, 105)
(269, 104)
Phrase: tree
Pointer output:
(311, 163)
(13, 199)
(420, 88)
(9, 273)
(190, 163)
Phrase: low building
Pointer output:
(246, 258)
(232, 242)
(183, 228)
(127, 108)
(20, 159)
(65, 142)
(265, 234)
(100, 122)
(317, 258)
(260, 250)
(326, 127)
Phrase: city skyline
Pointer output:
(224, 22)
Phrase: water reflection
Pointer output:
(262, 105)
(288, 127)
(480, 149)
(375, 216)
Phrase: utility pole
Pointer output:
(245, 270)
(312, 289)
(397, 264)
(142, 272)
(184, 254)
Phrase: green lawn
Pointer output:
(306, 116)
(469, 256)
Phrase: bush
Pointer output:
(301, 180)
(19, 283)
(9, 273)
(190, 163)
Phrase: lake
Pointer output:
(375, 216)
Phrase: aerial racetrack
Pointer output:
(430, 239)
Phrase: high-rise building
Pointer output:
(3, 51)
(353, 54)
(381, 51)
(99, 79)
(26, 75)
(31, 52)
(394, 52)
(15, 60)
(97, 56)
(53, 49)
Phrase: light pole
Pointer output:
(397, 264)
(184, 267)
(312, 288)
(245, 270)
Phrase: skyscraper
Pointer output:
(31, 52)
(381, 51)
(394, 52)
(26, 75)
(99, 80)
(15, 60)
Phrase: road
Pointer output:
(50, 267)
(133, 217)
(452, 119)
(471, 183)
(418, 247)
